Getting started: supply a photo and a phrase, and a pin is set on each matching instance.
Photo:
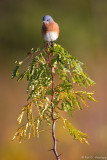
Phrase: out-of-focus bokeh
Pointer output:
(83, 32)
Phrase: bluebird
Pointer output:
(50, 29)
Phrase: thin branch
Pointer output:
(53, 108)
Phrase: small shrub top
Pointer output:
(68, 71)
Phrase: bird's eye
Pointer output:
(47, 20)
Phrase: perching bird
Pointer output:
(50, 29)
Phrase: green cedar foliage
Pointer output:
(66, 98)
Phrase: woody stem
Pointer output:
(53, 108)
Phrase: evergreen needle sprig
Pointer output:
(48, 98)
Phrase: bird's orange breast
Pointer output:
(51, 27)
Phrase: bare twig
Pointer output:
(52, 114)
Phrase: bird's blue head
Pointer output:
(47, 19)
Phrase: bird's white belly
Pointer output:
(51, 36)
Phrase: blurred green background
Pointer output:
(83, 32)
